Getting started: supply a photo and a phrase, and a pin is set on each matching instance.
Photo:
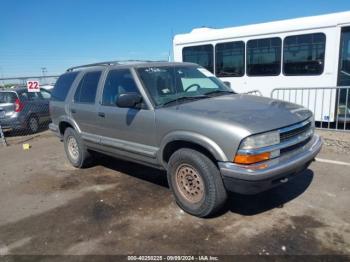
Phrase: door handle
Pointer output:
(73, 111)
(101, 114)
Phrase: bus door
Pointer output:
(344, 76)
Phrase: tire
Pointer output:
(33, 124)
(75, 149)
(196, 183)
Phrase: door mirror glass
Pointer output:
(129, 100)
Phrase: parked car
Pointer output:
(180, 118)
(20, 109)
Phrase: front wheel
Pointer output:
(196, 183)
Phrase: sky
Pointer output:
(57, 34)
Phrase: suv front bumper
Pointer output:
(252, 179)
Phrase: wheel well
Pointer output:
(171, 147)
(63, 126)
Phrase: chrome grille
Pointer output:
(294, 132)
(295, 136)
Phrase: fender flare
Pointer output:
(195, 138)
(69, 121)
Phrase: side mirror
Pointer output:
(228, 84)
(129, 100)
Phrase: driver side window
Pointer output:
(119, 81)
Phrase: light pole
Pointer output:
(44, 71)
(2, 76)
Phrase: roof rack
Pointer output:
(108, 63)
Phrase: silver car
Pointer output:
(180, 118)
(23, 110)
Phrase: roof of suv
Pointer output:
(128, 63)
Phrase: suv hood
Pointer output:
(252, 113)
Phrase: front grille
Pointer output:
(295, 136)
(294, 132)
(294, 147)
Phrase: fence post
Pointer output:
(2, 137)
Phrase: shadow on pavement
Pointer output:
(255, 204)
(149, 174)
(241, 204)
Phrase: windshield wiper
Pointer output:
(219, 92)
(185, 98)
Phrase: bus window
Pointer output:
(264, 57)
(229, 59)
(304, 54)
(202, 55)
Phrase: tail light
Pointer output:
(18, 105)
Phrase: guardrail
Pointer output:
(45, 81)
(330, 105)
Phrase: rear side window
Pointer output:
(45, 94)
(118, 82)
(62, 86)
(30, 96)
(304, 54)
(87, 88)
(202, 55)
(264, 57)
(7, 97)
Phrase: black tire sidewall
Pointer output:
(69, 132)
(210, 176)
(29, 127)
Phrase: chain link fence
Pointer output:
(23, 113)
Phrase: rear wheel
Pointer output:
(76, 151)
(196, 183)
(33, 124)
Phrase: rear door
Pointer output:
(45, 97)
(83, 107)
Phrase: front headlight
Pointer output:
(262, 140)
(246, 153)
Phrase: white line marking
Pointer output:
(332, 162)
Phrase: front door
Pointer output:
(129, 131)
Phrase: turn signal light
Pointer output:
(251, 159)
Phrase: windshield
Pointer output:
(7, 97)
(170, 83)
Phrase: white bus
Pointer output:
(311, 53)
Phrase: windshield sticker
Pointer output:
(205, 72)
(154, 70)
